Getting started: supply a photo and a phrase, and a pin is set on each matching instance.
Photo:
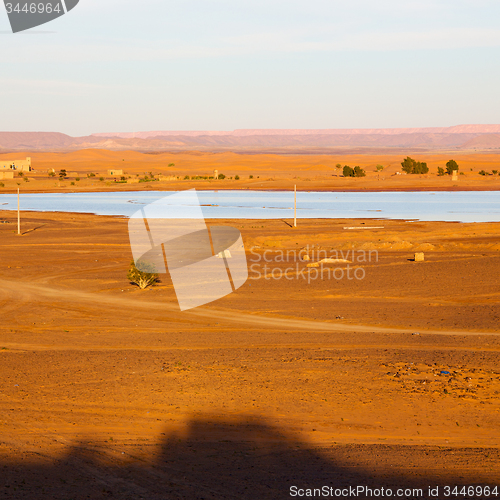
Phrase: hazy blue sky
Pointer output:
(130, 65)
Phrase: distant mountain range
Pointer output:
(460, 137)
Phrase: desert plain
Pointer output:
(390, 380)
(88, 170)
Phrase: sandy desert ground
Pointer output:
(112, 392)
(269, 171)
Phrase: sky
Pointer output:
(139, 65)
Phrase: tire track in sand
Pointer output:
(38, 293)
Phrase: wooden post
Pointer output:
(18, 214)
(295, 205)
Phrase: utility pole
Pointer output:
(18, 214)
(295, 205)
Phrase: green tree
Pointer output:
(62, 174)
(348, 171)
(410, 166)
(450, 166)
(359, 172)
(440, 171)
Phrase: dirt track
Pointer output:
(110, 391)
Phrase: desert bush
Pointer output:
(62, 173)
(237, 178)
(348, 171)
(101, 178)
(251, 177)
(52, 174)
(353, 172)
(410, 166)
(72, 183)
(20, 174)
(495, 172)
(77, 178)
(26, 179)
(186, 177)
(221, 176)
(483, 172)
(2, 184)
(359, 172)
(147, 277)
(440, 171)
(379, 168)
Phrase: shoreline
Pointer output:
(193, 185)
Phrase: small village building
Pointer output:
(16, 165)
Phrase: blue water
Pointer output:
(462, 206)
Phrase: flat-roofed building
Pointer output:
(17, 165)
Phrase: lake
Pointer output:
(461, 206)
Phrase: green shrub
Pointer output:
(379, 168)
(77, 178)
(91, 175)
(52, 174)
(348, 171)
(72, 183)
(440, 171)
(410, 166)
(101, 178)
(221, 177)
(251, 177)
(186, 177)
(2, 184)
(20, 174)
(482, 172)
(359, 172)
(26, 179)
(236, 177)
(143, 278)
